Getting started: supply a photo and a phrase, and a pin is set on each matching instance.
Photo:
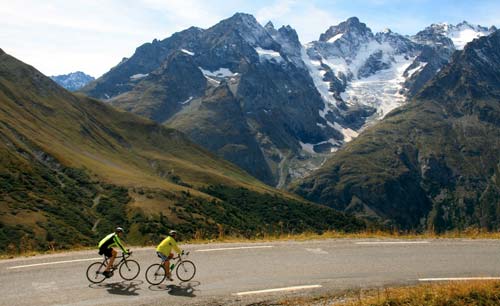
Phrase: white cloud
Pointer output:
(186, 13)
(306, 18)
(275, 11)
(60, 36)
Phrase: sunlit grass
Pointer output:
(446, 294)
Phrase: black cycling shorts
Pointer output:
(106, 251)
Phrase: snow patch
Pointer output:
(219, 73)
(335, 38)
(187, 101)
(309, 148)
(322, 87)
(381, 90)
(418, 68)
(347, 132)
(265, 54)
(462, 37)
(138, 76)
(187, 52)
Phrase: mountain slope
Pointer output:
(73, 168)
(432, 164)
(274, 104)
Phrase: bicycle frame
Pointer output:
(177, 259)
(123, 259)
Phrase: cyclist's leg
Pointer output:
(167, 266)
(112, 258)
(164, 259)
(166, 263)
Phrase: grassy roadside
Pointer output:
(468, 234)
(473, 293)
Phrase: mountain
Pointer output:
(255, 96)
(239, 89)
(433, 163)
(72, 168)
(363, 76)
(73, 81)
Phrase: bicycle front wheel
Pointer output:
(155, 274)
(185, 270)
(94, 272)
(129, 269)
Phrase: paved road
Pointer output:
(228, 273)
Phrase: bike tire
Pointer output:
(156, 274)
(185, 270)
(94, 272)
(129, 269)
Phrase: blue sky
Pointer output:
(61, 36)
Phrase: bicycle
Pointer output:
(128, 268)
(185, 271)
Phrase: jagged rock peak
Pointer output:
(243, 17)
(1, 51)
(289, 32)
(351, 25)
(269, 26)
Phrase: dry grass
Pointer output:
(484, 293)
(377, 234)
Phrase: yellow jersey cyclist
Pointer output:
(106, 248)
(164, 251)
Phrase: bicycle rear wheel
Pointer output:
(94, 272)
(185, 270)
(129, 269)
(155, 274)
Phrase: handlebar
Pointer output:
(179, 255)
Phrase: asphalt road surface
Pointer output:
(244, 273)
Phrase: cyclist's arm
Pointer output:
(176, 248)
(119, 243)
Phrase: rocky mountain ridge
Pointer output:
(292, 105)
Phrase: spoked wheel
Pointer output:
(129, 269)
(155, 274)
(94, 272)
(185, 270)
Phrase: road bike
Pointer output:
(128, 269)
(184, 269)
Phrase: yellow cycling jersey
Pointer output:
(166, 246)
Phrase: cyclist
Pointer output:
(164, 251)
(105, 248)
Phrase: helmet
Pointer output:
(172, 232)
(119, 230)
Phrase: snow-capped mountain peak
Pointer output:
(354, 69)
(352, 27)
(459, 34)
(73, 81)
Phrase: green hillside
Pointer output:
(73, 168)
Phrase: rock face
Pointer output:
(433, 163)
(73, 81)
(240, 89)
(293, 105)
